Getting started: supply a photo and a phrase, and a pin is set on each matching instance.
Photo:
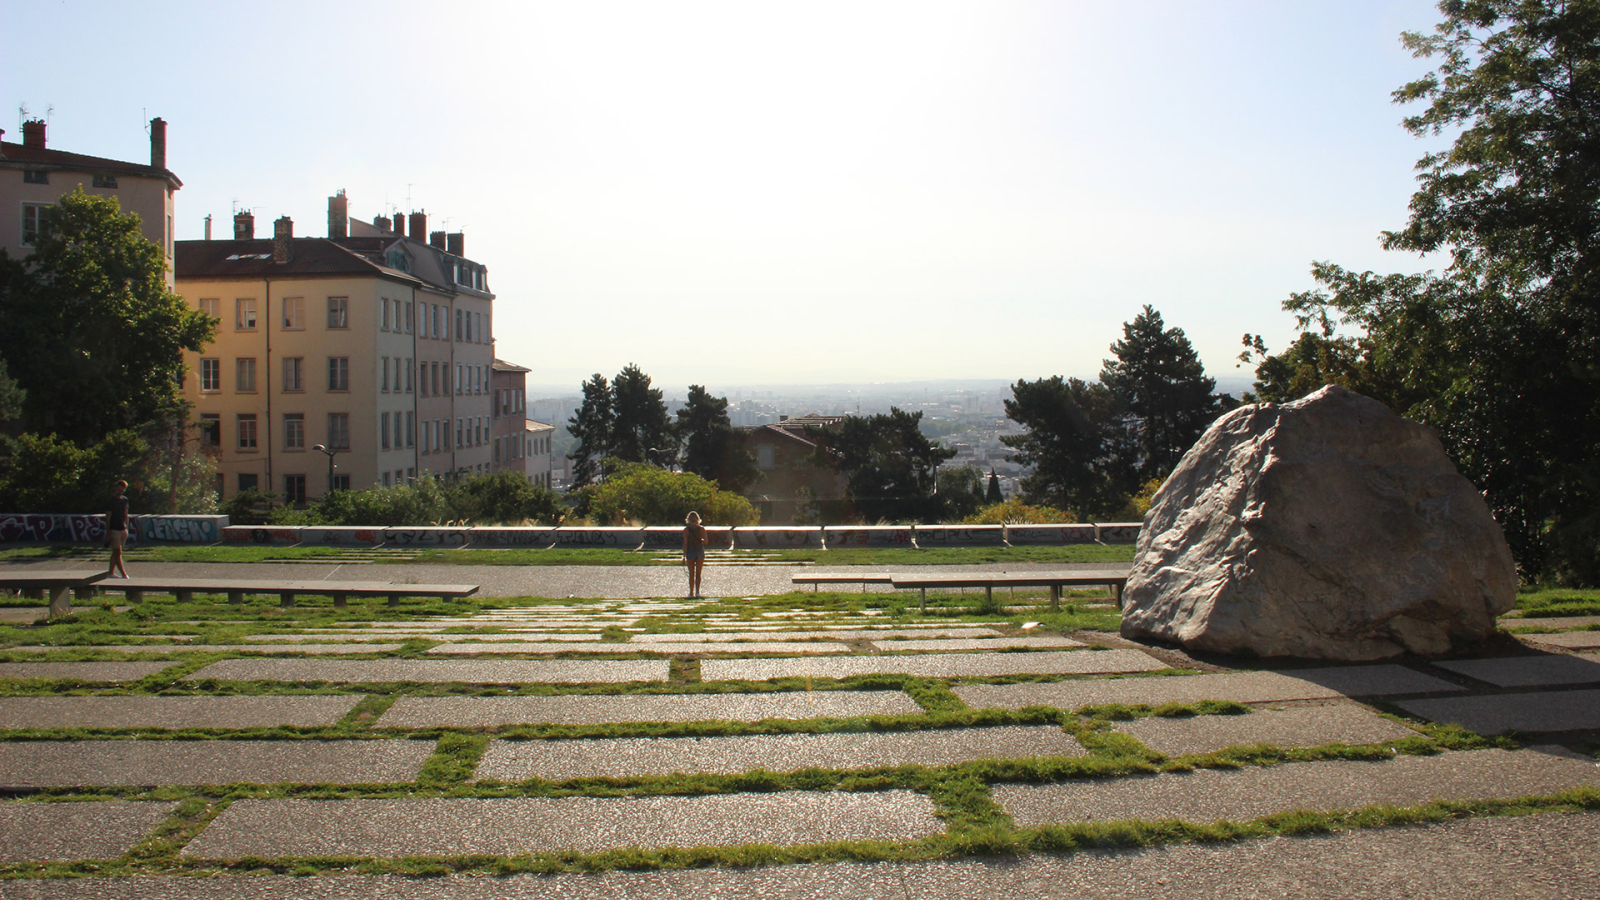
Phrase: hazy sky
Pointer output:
(752, 192)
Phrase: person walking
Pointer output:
(694, 551)
(117, 530)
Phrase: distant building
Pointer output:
(793, 485)
(521, 445)
(34, 177)
(372, 343)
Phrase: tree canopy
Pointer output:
(711, 448)
(1498, 351)
(888, 465)
(624, 420)
(636, 492)
(1166, 395)
(88, 327)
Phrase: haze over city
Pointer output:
(767, 194)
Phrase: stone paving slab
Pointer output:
(1530, 671)
(561, 760)
(1209, 795)
(526, 637)
(662, 647)
(83, 671)
(1552, 856)
(173, 712)
(316, 649)
(65, 832)
(1572, 640)
(589, 709)
(837, 634)
(42, 764)
(1535, 712)
(999, 643)
(949, 665)
(1239, 687)
(500, 671)
(453, 827)
(1302, 726)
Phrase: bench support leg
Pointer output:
(133, 595)
(85, 594)
(924, 599)
(1117, 590)
(236, 597)
(1055, 598)
(340, 599)
(286, 599)
(184, 596)
(394, 599)
(60, 602)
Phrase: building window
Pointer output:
(211, 306)
(210, 429)
(383, 323)
(338, 312)
(434, 380)
(386, 479)
(105, 181)
(385, 382)
(460, 427)
(294, 431)
(341, 482)
(411, 429)
(294, 490)
(458, 324)
(338, 373)
(294, 373)
(210, 374)
(244, 381)
(244, 314)
(399, 432)
(35, 176)
(338, 431)
(410, 312)
(248, 481)
(764, 456)
(294, 313)
(383, 431)
(247, 431)
(32, 216)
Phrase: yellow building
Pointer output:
(33, 177)
(344, 362)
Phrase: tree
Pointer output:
(1075, 443)
(1497, 352)
(90, 331)
(636, 492)
(993, 495)
(590, 426)
(642, 429)
(11, 396)
(888, 465)
(1164, 389)
(960, 490)
(711, 448)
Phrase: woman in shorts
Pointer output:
(694, 551)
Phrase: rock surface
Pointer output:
(1327, 528)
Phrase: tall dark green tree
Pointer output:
(993, 495)
(1076, 443)
(711, 447)
(1500, 352)
(90, 330)
(1164, 390)
(590, 426)
(888, 465)
(641, 430)
(960, 491)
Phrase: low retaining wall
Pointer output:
(776, 537)
(1031, 535)
(1118, 532)
(670, 537)
(48, 528)
(620, 538)
(841, 536)
(181, 529)
(960, 536)
(427, 537)
(513, 536)
(266, 535)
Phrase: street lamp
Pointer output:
(329, 452)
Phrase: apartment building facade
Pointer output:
(521, 444)
(33, 177)
(357, 360)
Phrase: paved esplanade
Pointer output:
(781, 727)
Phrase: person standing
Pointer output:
(694, 551)
(117, 530)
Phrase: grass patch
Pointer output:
(1538, 602)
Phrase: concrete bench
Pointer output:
(236, 589)
(861, 578)
(1055, 581)
(58, 585)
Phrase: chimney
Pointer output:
(436, 239)
(419, 226)
(399, 224)
(455, 242)
(33, 134)
(244, 226)
(158, 142)
(338, 215)
(283, 240)
(208, 226)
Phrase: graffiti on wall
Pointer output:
(53, 529)
(426, 537)
(181, 529)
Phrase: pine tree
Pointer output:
(591, 427)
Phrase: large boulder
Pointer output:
(1327, 528)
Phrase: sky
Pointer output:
(785, 193)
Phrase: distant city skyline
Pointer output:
(817, 193)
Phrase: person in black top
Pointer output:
(694, 551)
(117, 530)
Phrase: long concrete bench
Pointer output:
(861, 578)
(58, 585)
(236, 589)
(1055, 581)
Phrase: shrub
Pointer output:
(635, 492)
(1015, 512)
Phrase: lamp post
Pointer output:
(329, 452)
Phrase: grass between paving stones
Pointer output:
(1546, 602)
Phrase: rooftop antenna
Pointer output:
(409, 207)
(22, 114)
